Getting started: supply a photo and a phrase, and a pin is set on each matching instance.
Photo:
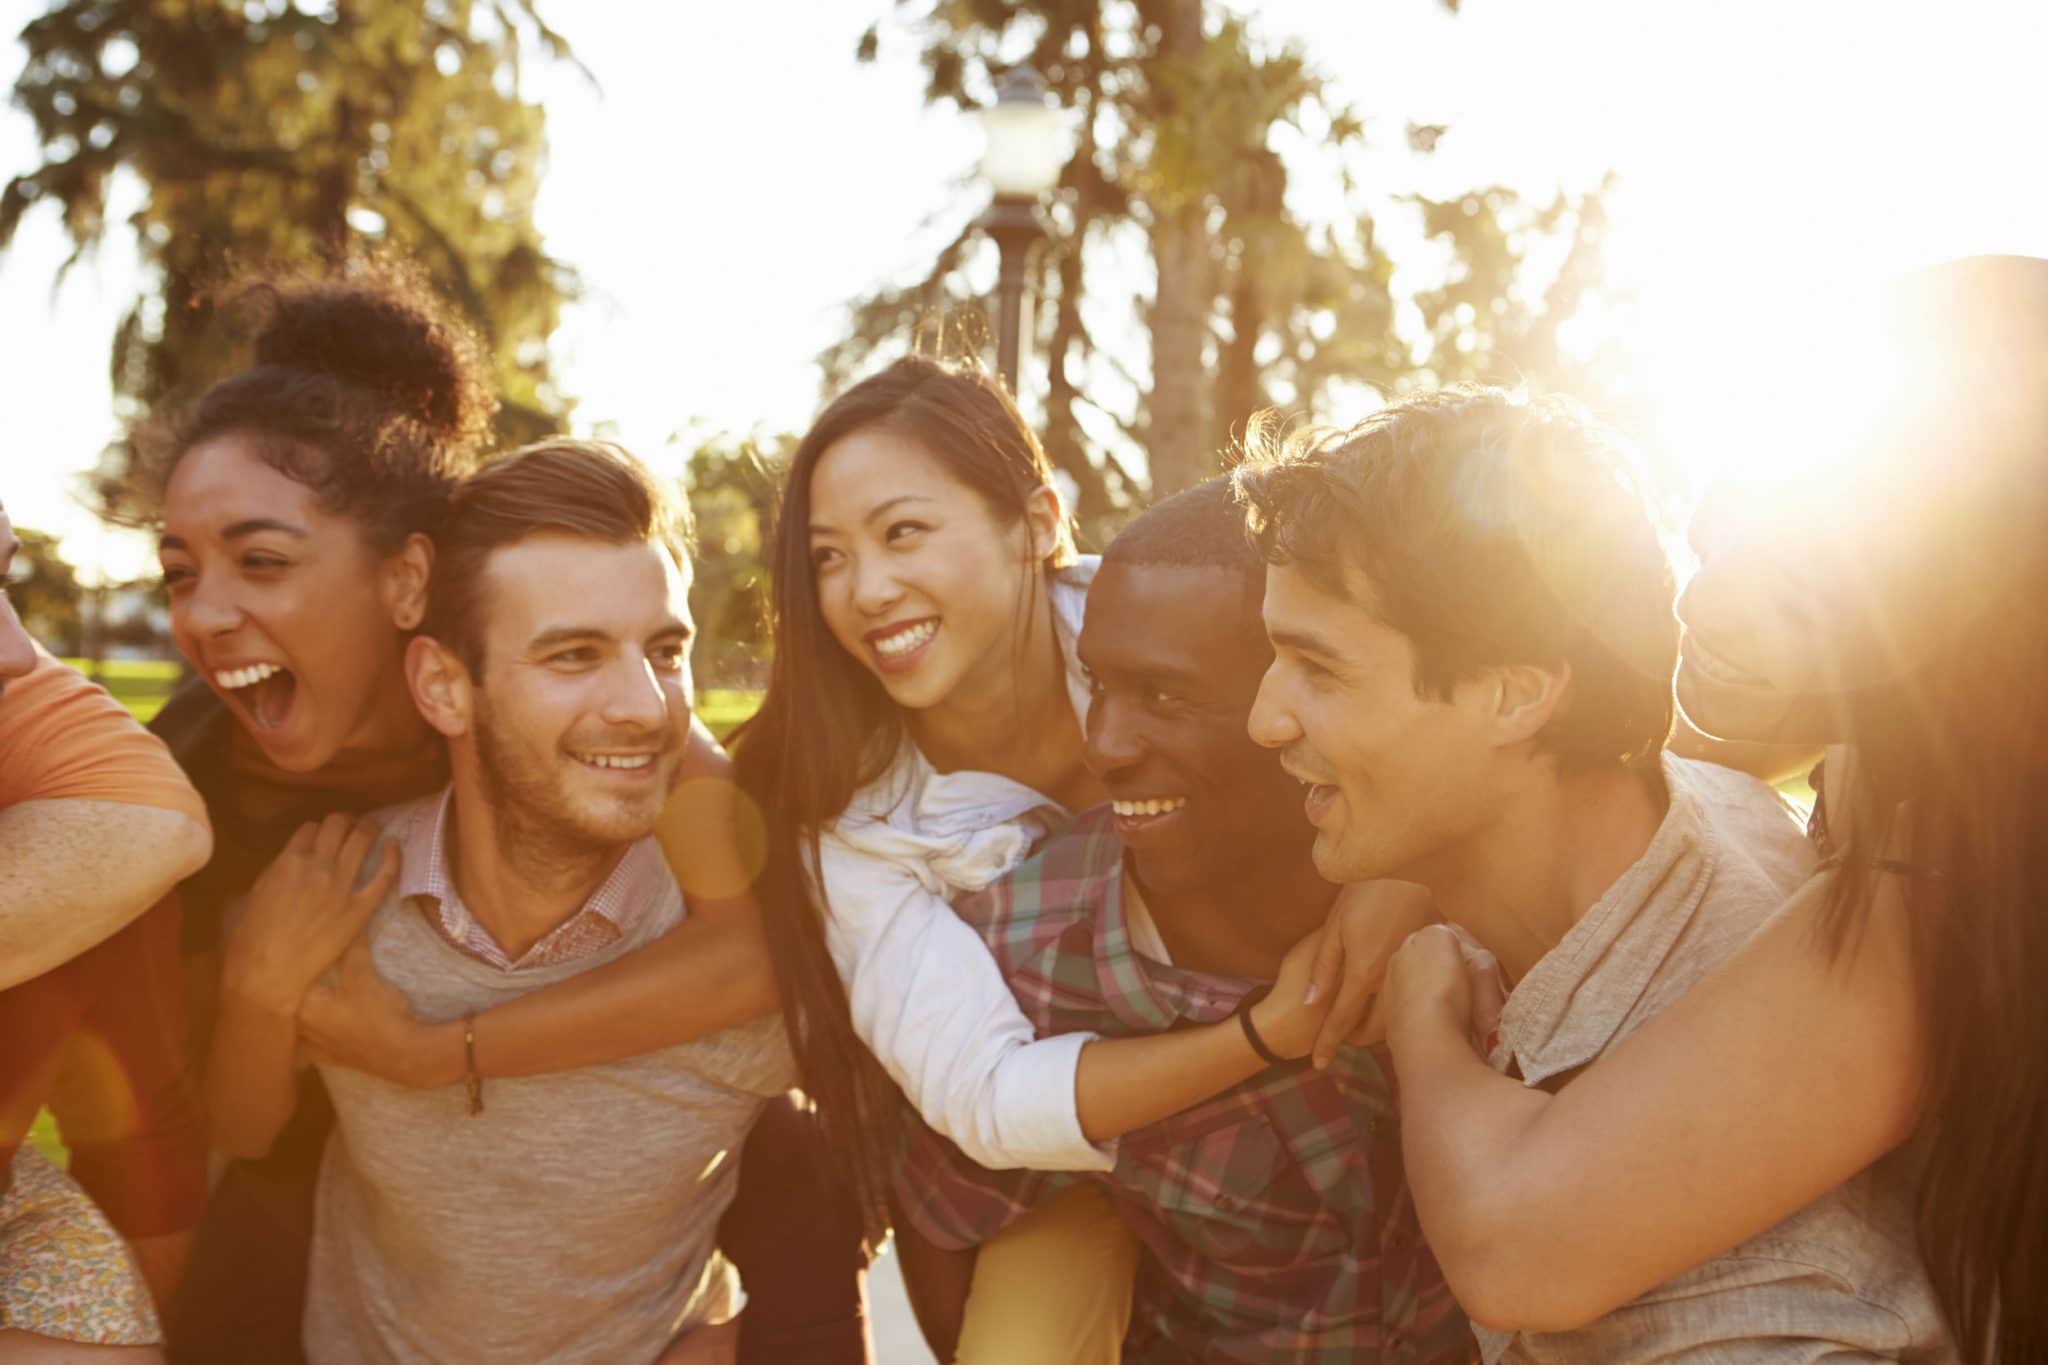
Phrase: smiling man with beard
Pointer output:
(567, 1217)
(1274, 1214)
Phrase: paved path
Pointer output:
(897, 1340)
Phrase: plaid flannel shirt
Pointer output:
(1276, 1213)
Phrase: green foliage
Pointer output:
(1182, 112)
(45, 591)
(732, 498)
(286, 133)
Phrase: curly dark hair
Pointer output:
(364, 389)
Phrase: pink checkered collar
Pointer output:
(617, 906)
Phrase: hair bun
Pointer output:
(380, 326)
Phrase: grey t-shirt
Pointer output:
(574, 1220)
(1841, 1279)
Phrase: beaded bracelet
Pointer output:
(471, 1078)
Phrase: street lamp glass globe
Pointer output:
(1027, 137)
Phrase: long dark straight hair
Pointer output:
(1954, 760)
(826, 728)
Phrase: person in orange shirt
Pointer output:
(97, 824)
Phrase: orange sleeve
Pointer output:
(62, 737)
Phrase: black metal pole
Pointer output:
(1013, 222)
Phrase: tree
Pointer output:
(731, 486)
(1182, 111)
(45, 590)
(290, 132)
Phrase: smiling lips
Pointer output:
(620, 762)
(1149, 806)
(1715, 666)
(897, 647)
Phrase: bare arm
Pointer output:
(1124, 1084)
(1129, 1083)
(250, 1089)
(74, 872)
(710, 973)
(302, 913)
(1770, 1083)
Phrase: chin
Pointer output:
(1333, 862)
(1742, 714)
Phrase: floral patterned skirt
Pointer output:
(64, 1271)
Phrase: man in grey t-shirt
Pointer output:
(568, 1217)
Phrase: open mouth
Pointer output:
(262, 692)
(899, 647)
(1317, 798)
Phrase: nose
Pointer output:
(875, 589)
(1109, 742)
(635, 697)
(209, 607)
(1272, 721)
(17, 650)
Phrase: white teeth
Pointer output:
(893, 646)
(237, 678)
(1151, 806)
(616, 760)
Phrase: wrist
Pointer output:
(252, 988)
(1435, 1028)
(437, 1055)
(1260, 1020)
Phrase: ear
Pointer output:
(441, 686)
(403, 581)
(1043, 518)
(1526, 698)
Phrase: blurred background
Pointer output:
(682, 225)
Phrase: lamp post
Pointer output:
(1026, 148)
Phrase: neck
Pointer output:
(1521, 881)
(1014, 717)
(521, 878)
(1239, 924)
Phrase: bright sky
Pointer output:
(740, 177)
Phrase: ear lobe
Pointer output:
(1527, 698)
(405, 576)
(441, 685)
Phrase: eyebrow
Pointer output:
(1303, 641)
(248, 526)
(877, 510)
(562, 635)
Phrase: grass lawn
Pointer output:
(143, 685)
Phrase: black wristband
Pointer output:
(1251, 1033)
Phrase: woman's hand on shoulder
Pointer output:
(305, 907)
(363, 1022)
(1367, 925)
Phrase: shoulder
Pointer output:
(1065, 878)
(1750, 827)
(63, 737)
(193, 722)
(1069, 587)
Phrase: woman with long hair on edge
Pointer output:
(296, 504)
(1890, 1017)
(920, 732)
